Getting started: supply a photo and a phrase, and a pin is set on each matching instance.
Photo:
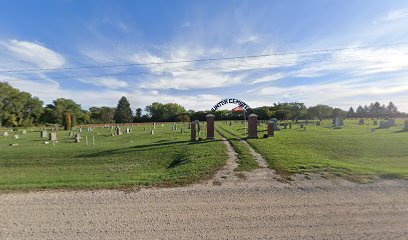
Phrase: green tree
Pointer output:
(320, 111)
(123, 112)
(392, 110)
(18, 108)
(351, 113)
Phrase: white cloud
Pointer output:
(270, 78)
(396, 14)
(246, 40)
(33, 53)
(108, 82)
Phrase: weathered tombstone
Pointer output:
(127, 130)
(285, 126)
(385, 124)
(318, 123)
(154, 125)
(275, 124)
(5, 134)
(16, 136)
(210, 126)
(152, 132)
(230, 123)
(338, 122)
(290, 125)
(43, 134)
(80, 129)
(301, 125)
(193, 131)
(406, 125)
(307, 121)
(24, 132)
(271, 129)
(77, 137)
(118, 131)
(361, 121)
(53, 136)
(198, 127)
(252, 126)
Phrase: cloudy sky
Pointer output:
(337, 52)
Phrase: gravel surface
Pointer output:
(253, 205)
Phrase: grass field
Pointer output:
(139, 158)
(350, 151)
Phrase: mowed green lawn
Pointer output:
(350, 151)
(166, 158)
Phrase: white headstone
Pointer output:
(53, 136)
(16, 136)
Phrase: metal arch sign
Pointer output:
(232, 101)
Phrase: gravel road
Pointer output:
(240, 209)
(256, 205)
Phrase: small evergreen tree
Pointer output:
(123, 112)
(67, 121)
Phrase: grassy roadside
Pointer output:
(166, 158)
(246, 162)
(349, 152)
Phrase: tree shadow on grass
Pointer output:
(140, 148)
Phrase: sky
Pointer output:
(342, 53)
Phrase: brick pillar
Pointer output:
(210, 126)
(271, 129)
(252, 126)
(193, 131)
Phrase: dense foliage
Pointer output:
(21, 109)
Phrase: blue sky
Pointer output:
(67, 33)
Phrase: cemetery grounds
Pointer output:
(317, 182)
(168, 157)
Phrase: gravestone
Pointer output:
(375, 123)
(210, 126)
(301, 125)
(127, 130)
(275, 124)
(77, 137)
(5, 134)
(152, 132)
(290, 125)
(193, 131)
(80, 130)
(118, 132)
(198, 127)
(271, 129)
(338, 122)
(285, 126)
(154, 125)
(53, 136)
(361, 121)
(16, 136)
(406, 125)
(24, 132)
(43, 134)
(318, 123)
(387, 124)
(230, 123)
(307, 121)
(252, 126)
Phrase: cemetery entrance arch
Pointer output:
(238, 102)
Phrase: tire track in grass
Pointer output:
(258, 157)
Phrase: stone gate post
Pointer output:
(252, 126)
(210, 126)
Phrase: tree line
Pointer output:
(22, 109)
